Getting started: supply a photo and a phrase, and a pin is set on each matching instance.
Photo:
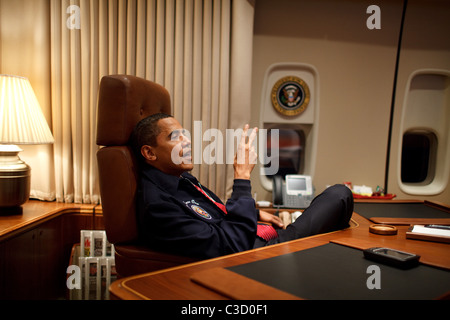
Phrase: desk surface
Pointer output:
(35, 211)
(177, 283)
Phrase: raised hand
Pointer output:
(245, 159)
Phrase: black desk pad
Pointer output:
(399, 210)
(333, 272)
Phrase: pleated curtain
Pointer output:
(186, 46)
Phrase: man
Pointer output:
(176, 214)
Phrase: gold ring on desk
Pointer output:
(383, 229)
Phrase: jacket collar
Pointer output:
(163, 180)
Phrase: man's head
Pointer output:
(162, 143)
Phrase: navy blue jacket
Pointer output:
(174, 217)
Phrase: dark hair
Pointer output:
(146, 131)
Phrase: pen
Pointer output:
(437, 226)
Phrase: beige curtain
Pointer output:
(186, 46)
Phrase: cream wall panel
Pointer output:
(356, 67)
(425, 46)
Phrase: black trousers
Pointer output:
(329, 211)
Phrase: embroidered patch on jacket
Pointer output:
(194, 206)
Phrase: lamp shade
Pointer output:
(21, 117)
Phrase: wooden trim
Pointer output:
(438, 205)
(230, 284)
(409, 221)
(387, 201)
(36, 212)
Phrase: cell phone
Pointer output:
(392, 257)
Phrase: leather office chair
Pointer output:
(123, 101)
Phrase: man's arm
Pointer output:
(169, 226)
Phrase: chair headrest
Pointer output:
(123, 101)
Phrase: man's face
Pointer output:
(172, 153)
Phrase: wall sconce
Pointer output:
(21, 122)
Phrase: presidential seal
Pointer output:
(290, 96)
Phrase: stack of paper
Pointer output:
(429, 233)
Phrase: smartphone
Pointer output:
(392, 257)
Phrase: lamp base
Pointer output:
(11, 211)
(15, 176)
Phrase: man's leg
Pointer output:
(329, 211)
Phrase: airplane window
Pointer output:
(418, 157)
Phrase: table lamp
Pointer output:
(21, 122)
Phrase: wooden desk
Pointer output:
(37, 212)
(176, 283)
(35, 247)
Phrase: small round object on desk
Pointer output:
(383, 229)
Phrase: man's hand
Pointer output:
(245, 159)
(265, 216)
